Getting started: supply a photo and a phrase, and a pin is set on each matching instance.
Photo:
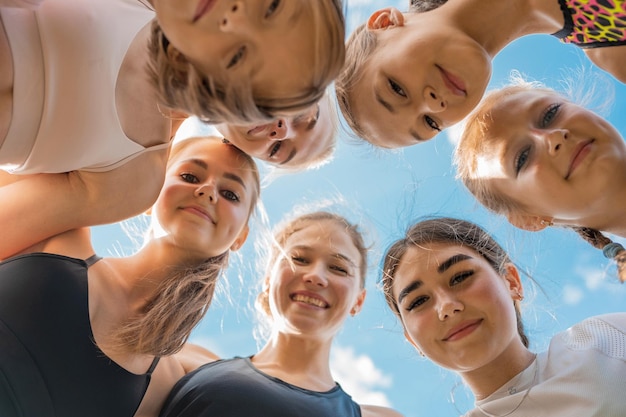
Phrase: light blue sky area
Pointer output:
(385, 192)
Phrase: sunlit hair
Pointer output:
(477, 140)
(360, 46)
(445, 230)
(181, 301)
(323, 156)
(181, 86)
(285, 230)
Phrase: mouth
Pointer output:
(204, 6)
(313, 301)
(462, 330)
(200, 212)
(580, 152)
(453, 83)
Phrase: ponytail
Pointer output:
(611, 250)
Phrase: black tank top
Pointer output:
(235, 388)
(49, 363)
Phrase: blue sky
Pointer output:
(386, 191)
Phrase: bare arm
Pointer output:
(611, 59)
(377, 411)
(37, 207)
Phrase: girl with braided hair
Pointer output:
(532, 155)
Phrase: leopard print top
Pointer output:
(593, 23)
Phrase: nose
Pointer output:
(207, 190)
(234, 17)
(279, 130)
(448, 306)
(554, 139)
(434, 102)
(316, 274)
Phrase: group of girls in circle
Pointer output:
(92, 93)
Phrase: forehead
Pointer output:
(293, 45)
(327, 235)
(214, 153)
(427, 258)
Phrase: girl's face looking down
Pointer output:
(288, 141)
(269, 42)
(423, 77)
(455, 308)
(553, 158)
(316, 282)
(206, 199)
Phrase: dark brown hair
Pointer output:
(449, 231)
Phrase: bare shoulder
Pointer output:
(193, 356)
(167, 372)
(378, 411)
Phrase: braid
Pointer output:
(610, 249)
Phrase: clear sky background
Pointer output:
(385, 192)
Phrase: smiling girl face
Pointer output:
(455, 308)
(547, 155)
(316, 282)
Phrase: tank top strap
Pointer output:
(153, 365)
(92, 260)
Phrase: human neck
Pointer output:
(496, 23)
(142, 273)
(299, 361)
(485, 380)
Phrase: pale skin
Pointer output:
(566, 161)
(120, 287)
(323, 268)
(458, 311)
(290, 141)
(403, 97)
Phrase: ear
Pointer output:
(528, 222)
(358, 305)
(408, 338)
(513, 281)
(241, 239)
(386, 18)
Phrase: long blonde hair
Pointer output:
(181, 300)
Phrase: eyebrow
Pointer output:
(416, 135)
(408, 289)
(313, 121)
(289, 157)
(386, 105)
(391, 110)
(228, 175)
(448, 263)
(334, 255)
(445, 265)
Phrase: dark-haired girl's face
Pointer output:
(553, 157)
(455, 308)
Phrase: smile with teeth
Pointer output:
(309, 300)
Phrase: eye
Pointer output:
(339, 269)
(549, 115)
(275, 148)
(417, 302)
(521, 159)
(273, 6)
(395, 87)
(298, 260)
(190, 178)
(229, 195)
(460, 277)
(430, 122)
(237, 57)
